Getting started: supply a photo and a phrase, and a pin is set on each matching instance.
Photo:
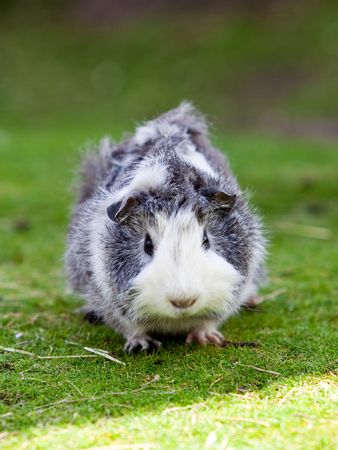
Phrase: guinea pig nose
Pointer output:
(183, 302)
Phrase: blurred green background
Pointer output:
(271, 65)
(266, 75)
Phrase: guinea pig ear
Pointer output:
(120, 211)
(221, 200)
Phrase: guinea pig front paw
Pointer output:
(140, 344)
(205, 336)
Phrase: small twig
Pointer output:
(97, 352)
(100, 350)
(104, 354)
(272, 372)
(65, 356)
(15, 350)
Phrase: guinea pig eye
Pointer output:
(205, 242)
(148, 245)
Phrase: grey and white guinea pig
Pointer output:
(162, 239)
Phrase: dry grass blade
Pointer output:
(104, 354)
(273, 295)
(245, 419)
(75, 387)
(215, 382)
(286, 396)
(305, 230)
(100, 350)
(65, 356)
(92, 350)
(8, 414)
(16, 350)
(58, 402)
(73, 343)
(272, 372)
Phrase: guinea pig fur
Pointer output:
(162, 239)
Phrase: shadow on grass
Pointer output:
(64, 391)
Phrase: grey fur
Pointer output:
(236, 235)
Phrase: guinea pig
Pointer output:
(162, 239)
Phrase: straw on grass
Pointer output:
(272, 372)
(104, 354)
(16, 350)
(96, 352)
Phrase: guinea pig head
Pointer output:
(182, 273)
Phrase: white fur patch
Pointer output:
(147, 176)
(182, 268)
(144, 134)
(187, 151)
(153, 130)
(97, 229)
(198, 160)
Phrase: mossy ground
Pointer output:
(182, 397)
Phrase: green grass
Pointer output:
(234, 66)
(62, 87)
(200, 392)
